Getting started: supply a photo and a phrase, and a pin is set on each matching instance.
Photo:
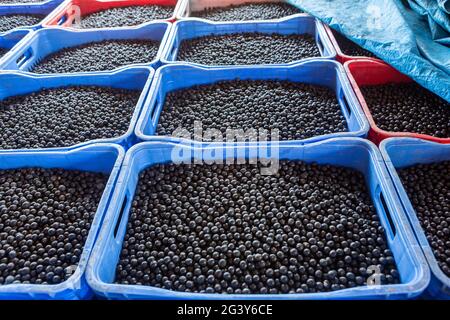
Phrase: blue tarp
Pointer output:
(411, 35)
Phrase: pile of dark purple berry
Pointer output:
(12, 21)
(248, 48)
(45, 218)
(428, 189)
(229, 229)
(99, 56)
(248, 11)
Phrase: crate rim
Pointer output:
(184, 3)
(26, 42)
(406, 203)
(346, 86)
(412, 289)
(365, 107)
(71, 282)
(114, 140)
(60, 10)
(175, 27)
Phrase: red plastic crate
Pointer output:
(369, 73)
(66, 13)
(341, 57)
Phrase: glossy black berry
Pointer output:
(350, 48)
(42, 228)
(98, 56)
(297, 110)
(428, 189)
(248, 48)
(65, 116)
(247, 11)
(12, 21)
(126, 16)
(228, 229)
(408, 108)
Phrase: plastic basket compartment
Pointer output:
(324, 72)
(188, 6)
(404, 152)
(105, 158)
(67, 13)
(9, 40)
(352, 152)
(44, 8)
(13, 84)
(341, 56)
(50, 40)
(191, 29)
(369, 73)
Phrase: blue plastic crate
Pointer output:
(43, 8)
(50, 40)
(133, 78)
(11, 39)
(43, 2)
(190, 29)
(404, 152)
(105, 158)
(355, 153)
(318, 72)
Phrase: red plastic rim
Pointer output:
(366, 72)
(64, 15)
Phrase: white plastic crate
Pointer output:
(188, 6)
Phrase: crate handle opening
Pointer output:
(153, 114)
(385, 208)
(24, 57)
(173, 54)
(119, 219)
(320, 45)
(62, 20)
(345, 104)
